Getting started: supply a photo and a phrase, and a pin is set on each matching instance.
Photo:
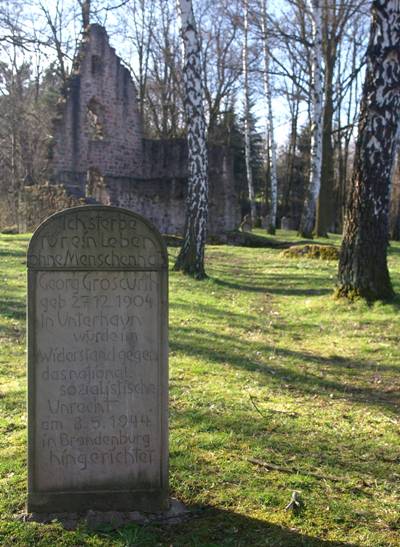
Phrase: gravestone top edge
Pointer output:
(139, 233)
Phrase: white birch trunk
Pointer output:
(247, 121)
(308, 216)
(270, 124)
(363, 269)
(191, 256)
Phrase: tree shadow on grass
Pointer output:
(15, 253)
(13, 308)
(239, 319)
(303, 461)
(11, 332)
(283, 284)
(217, 527)
(213, 527)
(394, 303)
(273, 289)
(235, 352)
(393, 249)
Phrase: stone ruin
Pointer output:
(98, 152)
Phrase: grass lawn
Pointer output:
(265, 365)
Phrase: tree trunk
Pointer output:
(271, 228)
(85, 9)
(308, 216)
(340, 184)
(324, 217)
(191, 256)
(247, 120)
(363, 267)
(288, 208)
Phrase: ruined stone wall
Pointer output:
(162, 197)
(99, 125)
(164, 158)
(99, 152)
(40, 201)
(224, 205)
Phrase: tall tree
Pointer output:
(164, 95)
(85, 11)
(363, 267)
(56, 21)
(271, 136)
(191, 257)
(325, 197)
(308, 216)
(221, 54)
(338, 17)
(247, 115)
(139, 35)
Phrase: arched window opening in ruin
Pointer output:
(95, 119)
(97, 64)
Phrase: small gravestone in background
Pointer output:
(265, 222)
(287, 224)
(246, 224)
(97, 363)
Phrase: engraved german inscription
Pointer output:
(97, 357)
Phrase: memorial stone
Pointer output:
(287, 223)
(97, 363)
(265, 222)
(246, 224)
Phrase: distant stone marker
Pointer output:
(287, 224)
(97, 363)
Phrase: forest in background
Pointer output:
(257, 68)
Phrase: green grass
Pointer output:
(264, 364)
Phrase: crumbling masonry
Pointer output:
(99, 154)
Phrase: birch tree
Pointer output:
(247, 115)
(191, 257)
(363, 267)
(308, 216)
(270, 124)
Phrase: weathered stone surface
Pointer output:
(97, 363)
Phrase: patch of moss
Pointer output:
(322, 252)
(385, 293)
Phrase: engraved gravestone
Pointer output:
(97, 363)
